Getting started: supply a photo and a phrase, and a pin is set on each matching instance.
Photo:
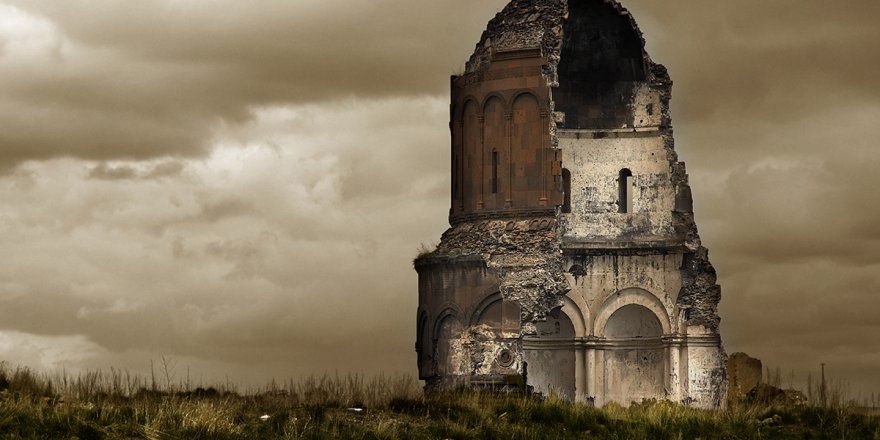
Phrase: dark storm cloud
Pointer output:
(764, 61)
(113, 80)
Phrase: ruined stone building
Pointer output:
(572, 264)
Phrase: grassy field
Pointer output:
(116, 405)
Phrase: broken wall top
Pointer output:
(530, 24)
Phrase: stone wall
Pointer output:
(745, 374)
(573, 264)
(595, 160)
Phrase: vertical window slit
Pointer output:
(566, 191)
(625, 198)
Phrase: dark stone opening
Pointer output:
(601, 62)
(566, 191)
(625, 191)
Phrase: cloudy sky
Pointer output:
(240, 187)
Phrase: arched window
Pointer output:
(566, 191)
(625, 196)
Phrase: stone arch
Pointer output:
(495, 154)
(446, 353)
(626, 297)
(495, 95)
(448, 311)
(559, 324)
(633, 321)
(499, 314)
(459, 109)
(550, 353)
(635, 360)
(421, 323)
(518, 94)
(576, 316)
(482, 305)
(470, 154)
(423, 342)
(526, 139)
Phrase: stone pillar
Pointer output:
(508, 202)
(684, 374)
(580, 380)
(544, 143)
(459, 167)
(674, 373)
(599, 394)
(591, 373)
(481, 201)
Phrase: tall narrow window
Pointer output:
(625, 198)
(566, 191)
(494, 172)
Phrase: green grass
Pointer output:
(119, 406)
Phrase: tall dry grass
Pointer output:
(115, 404)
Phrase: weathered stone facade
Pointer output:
(573, 261)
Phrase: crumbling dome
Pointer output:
(573, 262)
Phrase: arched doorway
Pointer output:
(447, 347)
(634, 358)
(550, 356)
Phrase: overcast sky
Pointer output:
(240, 187)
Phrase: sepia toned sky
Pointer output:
(240, 187)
